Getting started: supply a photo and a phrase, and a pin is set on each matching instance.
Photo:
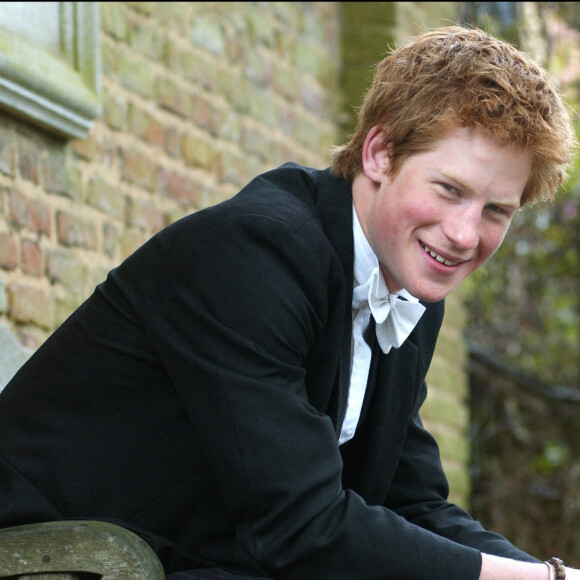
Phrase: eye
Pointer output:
(449, 189)
(501, 211)
(495, 208)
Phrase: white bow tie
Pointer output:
(395, 318)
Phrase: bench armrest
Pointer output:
(79, 547)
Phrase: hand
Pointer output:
(498, 568)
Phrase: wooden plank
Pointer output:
(68, 547)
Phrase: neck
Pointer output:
(363, 191)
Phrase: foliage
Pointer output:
(525, 302)
(525, 459)
(524, 312)
(497, 18)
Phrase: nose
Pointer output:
(462, 227)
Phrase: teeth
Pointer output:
(439, 258)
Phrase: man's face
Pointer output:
(444, 213)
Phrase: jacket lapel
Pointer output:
(371, 458)
(334, 204)
(395, 380)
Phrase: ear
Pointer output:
(375, 154)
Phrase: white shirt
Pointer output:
(365, 261)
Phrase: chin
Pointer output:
(431, 295)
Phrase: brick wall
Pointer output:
(197, 98)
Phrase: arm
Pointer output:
(419, 493)
(420, 490)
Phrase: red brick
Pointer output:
(143, 214)
(105, 197)
(172, 143)
(7, 159)
(179, 187)
(29, 213)
(146, 127)
(7, 151)
(86, 148)
(30, 305)
(131, 241)
(8, 251)
(111, 239)
(65, 268)
(31, 258)
(54, 172)
(115, 112)
(199, 152)
(173, 98)
(29, 165)
(74, 231)
(138, 168)
(206, 114)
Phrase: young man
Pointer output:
(244, 390)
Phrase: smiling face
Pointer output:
(444, 213)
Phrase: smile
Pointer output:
(439, 258)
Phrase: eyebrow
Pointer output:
(465, 185)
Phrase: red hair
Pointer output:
(459, 77)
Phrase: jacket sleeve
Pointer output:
(420, 490)
(233, 312)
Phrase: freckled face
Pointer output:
(444, 213)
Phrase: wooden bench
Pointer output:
(76, 550)
(68, 550)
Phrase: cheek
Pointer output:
(385, 229)
(404, 208)
(491, 241)
(398, 212)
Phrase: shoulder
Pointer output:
(276, 218)
(284, 205)
(287, 193)
(434, 313)
(427, 330)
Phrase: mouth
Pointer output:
(438, 257)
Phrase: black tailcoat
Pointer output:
(196, 397)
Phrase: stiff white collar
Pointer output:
(396, 313)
